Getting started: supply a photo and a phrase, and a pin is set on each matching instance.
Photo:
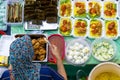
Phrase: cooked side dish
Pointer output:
(94, 9)
(80, 9)
(14, 12)
(103, 51)
(111, 28)
(110, 9)
(65, 8)
(65, 26)
(78, 53)
(80, 27)
(95, 28)
(39, 46)
(108, 76)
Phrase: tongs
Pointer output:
(47, 41)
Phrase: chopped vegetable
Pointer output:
(103, 51)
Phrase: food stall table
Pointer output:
(87, 67)
(92, 60)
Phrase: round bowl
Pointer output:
(103, 49)
(104, 67)
(78, 52)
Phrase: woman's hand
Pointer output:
(60, 66)
(55, 51)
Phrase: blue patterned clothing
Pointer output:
(46, 73)
(21, 53)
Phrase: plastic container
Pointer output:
(36, 38)
(15, 12)
(111, 29)
(110, 9)
(59, 41)
(104, 67)
(103, 49)
(79, 9)
(65, 26)
(5, 42)
(95, 8)
(80, 28)
(45, 26)
(78, 52)
(96, 28)
(118, 9)
(3, 60)
(65, 8)
(3, 7)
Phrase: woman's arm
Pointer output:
(10, 71)
(60, 66)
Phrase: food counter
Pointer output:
(92, 60)
(89, 64)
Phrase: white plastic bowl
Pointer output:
(104, 67)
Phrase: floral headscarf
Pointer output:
(21, 53)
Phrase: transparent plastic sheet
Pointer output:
(3, 26)
(14, 11)
(103, 43)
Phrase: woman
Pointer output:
(22, 68)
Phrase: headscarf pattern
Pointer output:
(21, 53)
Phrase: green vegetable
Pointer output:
(81, 16)
(64, 1)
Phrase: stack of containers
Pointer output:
(80, 22)
(111, 29)
(64, 12)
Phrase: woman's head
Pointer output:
(21, 53)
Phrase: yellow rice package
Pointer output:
(3, 60)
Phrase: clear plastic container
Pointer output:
(103, 49)
(79, 9)
(15, 12)
(65, 8)
(78, 52)
(96, 28)
(3, 7)
(80, 28)
(110, 9)
(95, 8)
(65, 26)
(111, 29)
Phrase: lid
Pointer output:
(2, 32)
(57, 40)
